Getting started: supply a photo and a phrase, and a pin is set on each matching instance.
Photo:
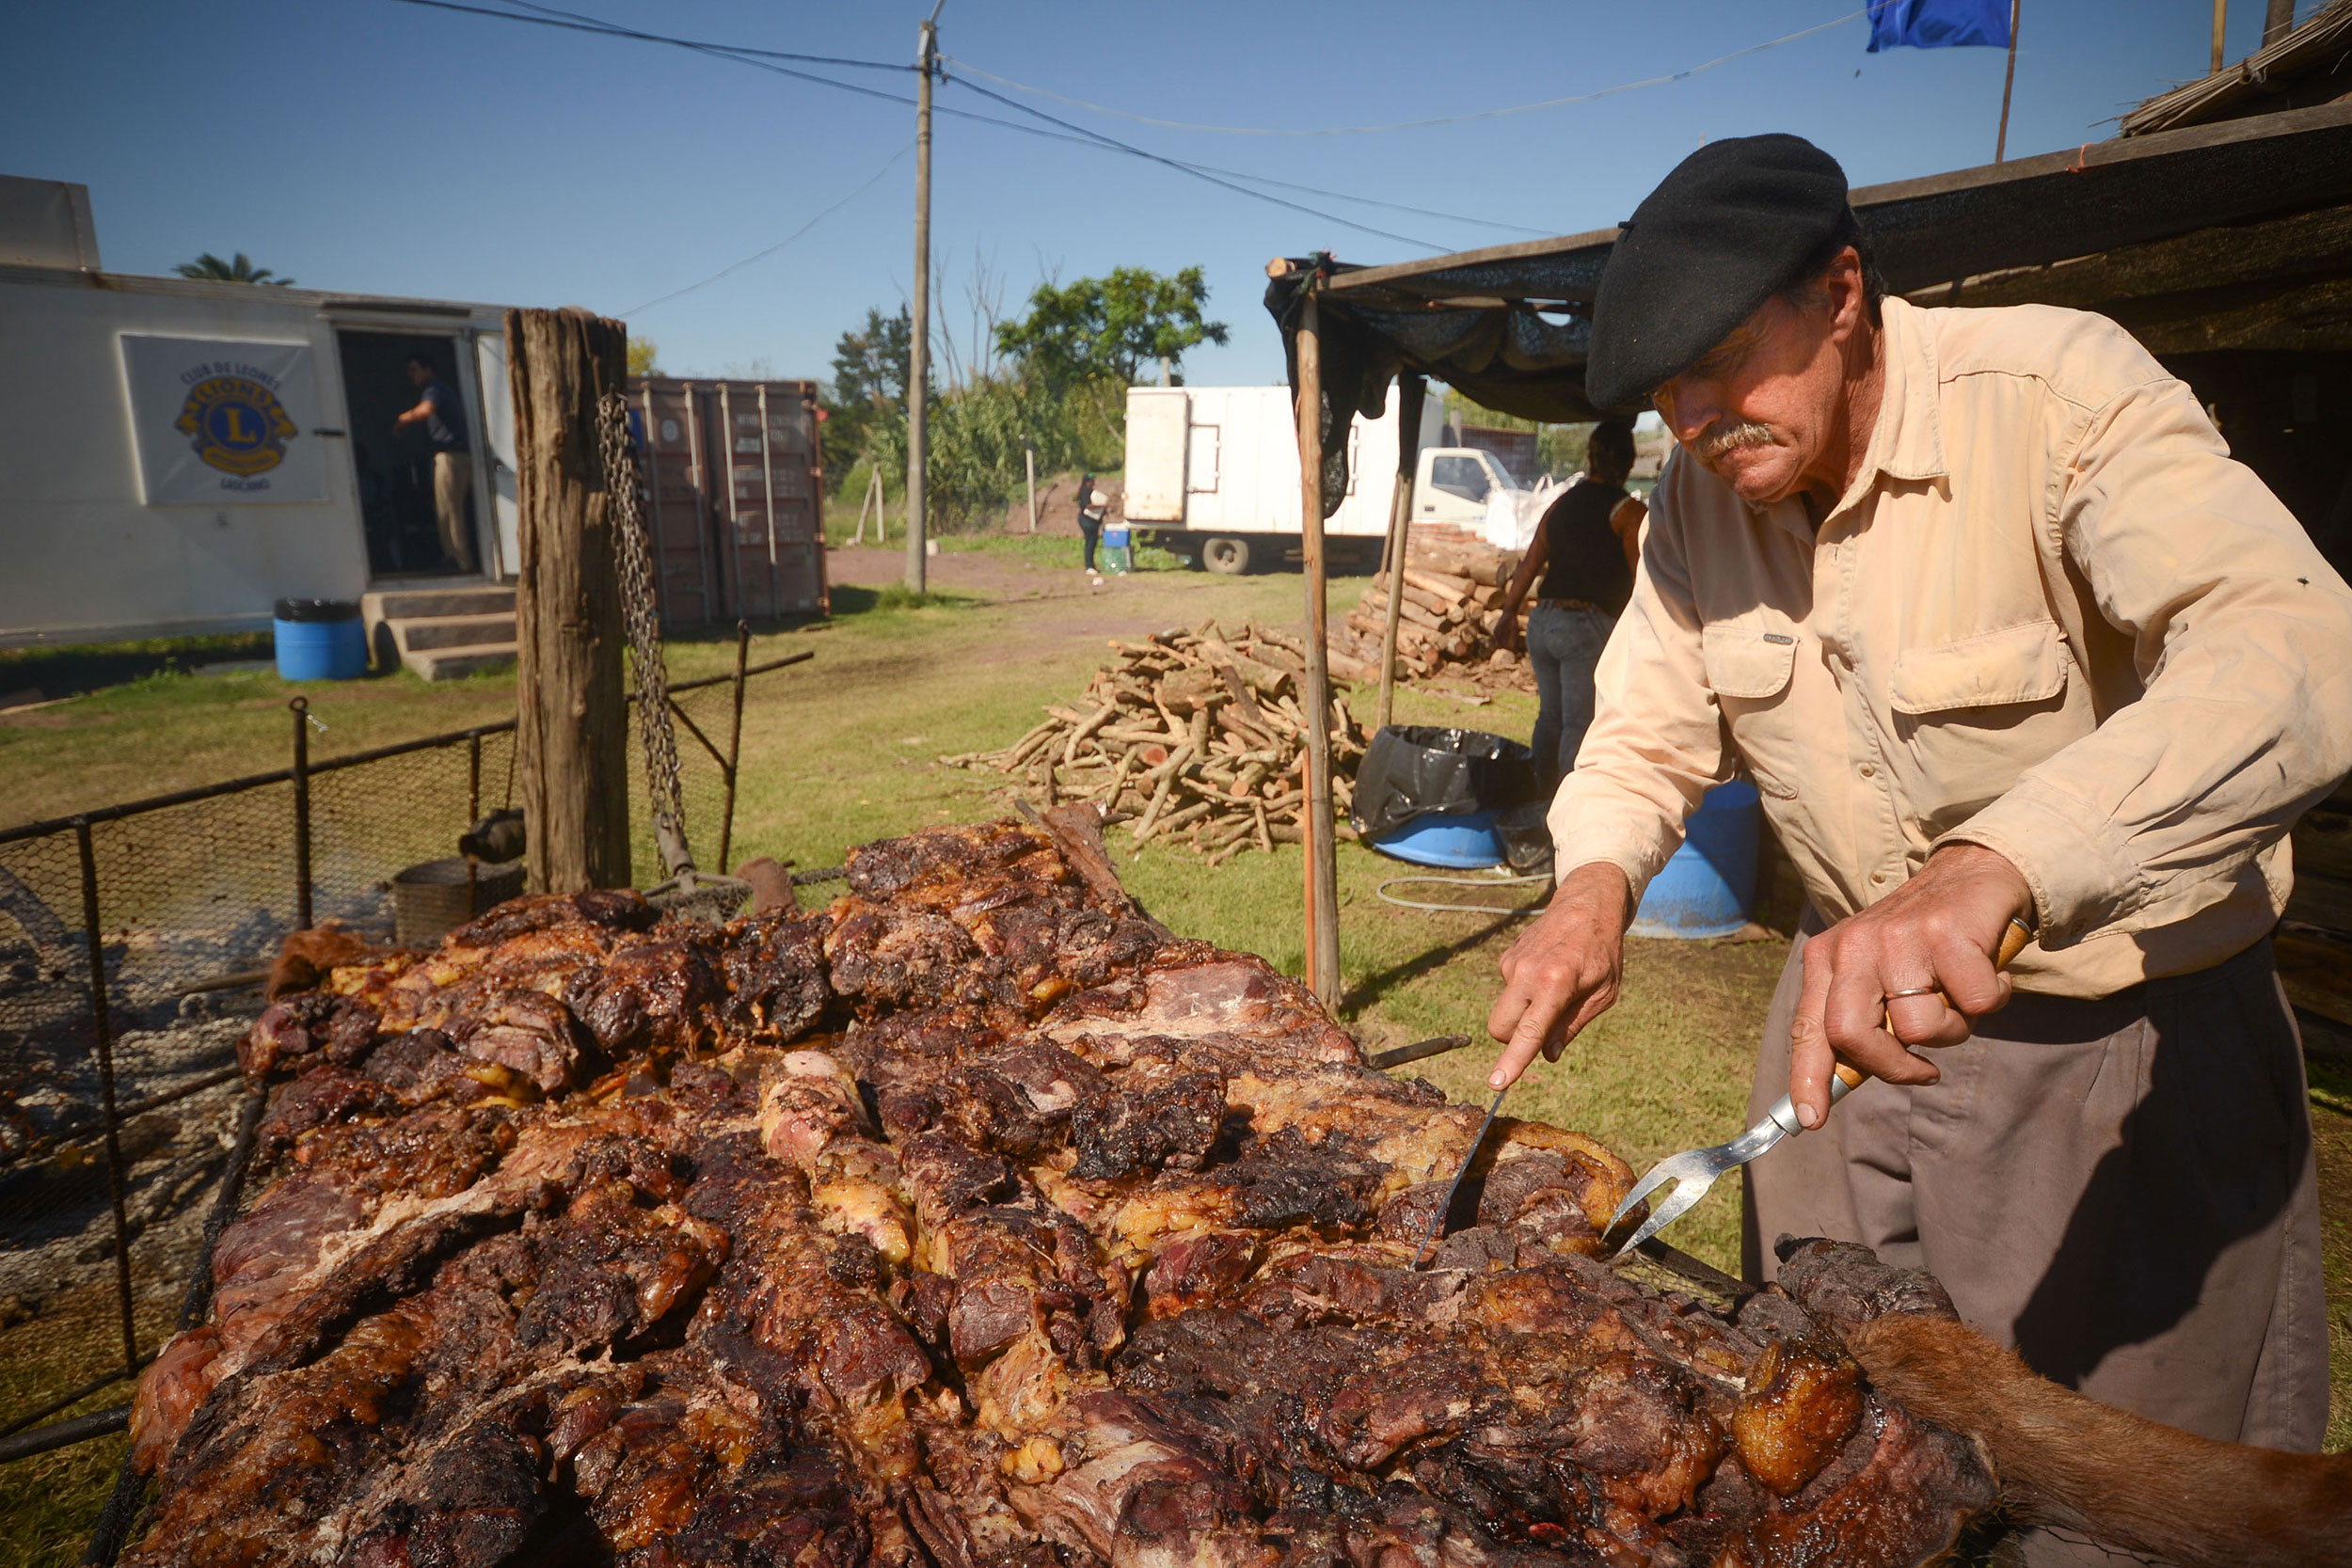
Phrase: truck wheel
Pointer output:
(1225, 556)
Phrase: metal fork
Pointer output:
(1694, 1170)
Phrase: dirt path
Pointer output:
(1057, 606)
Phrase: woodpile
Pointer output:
(1195, 736)
(1452, 597)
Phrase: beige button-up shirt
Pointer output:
(2050, 616)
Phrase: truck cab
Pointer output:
(1455, 486)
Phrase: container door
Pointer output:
(788, 418)
(740, 488)
(498, 443)
(1157, 424)
(674, 509)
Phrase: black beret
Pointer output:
(1722, 234)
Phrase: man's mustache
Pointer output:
(1728, 434)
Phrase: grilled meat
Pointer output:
(975, 1221)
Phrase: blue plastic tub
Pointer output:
(1709, 887)
(1460, 841)
(320, 639)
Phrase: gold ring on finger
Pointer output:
(1916, 990)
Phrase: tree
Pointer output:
(866, 408)
(644, 357)
(213, 269)
(869, 367)
(1103, 329)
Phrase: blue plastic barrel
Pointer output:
(1458, 840)
(320, 639)
(1709, 887)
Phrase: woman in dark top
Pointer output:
(1585, 549)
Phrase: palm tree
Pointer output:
(213, 269)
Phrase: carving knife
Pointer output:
(1436, 1221)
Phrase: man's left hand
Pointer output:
(1937, 932)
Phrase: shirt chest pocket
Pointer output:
(1975, 713)
(1747, 664)
(1994, 668)
(1748, 668)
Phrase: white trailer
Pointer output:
(180, 454)
(1213, 474)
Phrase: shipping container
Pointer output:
(734, 477)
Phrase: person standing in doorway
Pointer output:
(444, 423)
(1585, 549)
(1092, 505)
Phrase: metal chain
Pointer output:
(634, 560)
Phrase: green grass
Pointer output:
(49, 1503)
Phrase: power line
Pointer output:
(1198, 172)
(867, 185)
(720, 51)
(764, 60)
(574, 22)
(1406, 124)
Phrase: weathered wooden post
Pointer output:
(1323, 900)
(571, 736)
(1410, 390)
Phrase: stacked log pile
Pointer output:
(1198, 736)
(1451, 595)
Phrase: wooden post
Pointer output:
(2009, 80)
(1028, 462)
(2220, 26)
(1410, 390)
(1323, 901)
(2277, 21)
(571, 735)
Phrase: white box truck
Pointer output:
(1213, 475)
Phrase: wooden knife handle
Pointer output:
(2014, 940)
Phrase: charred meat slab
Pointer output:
(974, 1222)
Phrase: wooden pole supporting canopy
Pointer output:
(1410, 390)
(1323, 902)
(571, 743)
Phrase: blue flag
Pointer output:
(1938, 24)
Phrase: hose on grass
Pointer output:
(1388, 897)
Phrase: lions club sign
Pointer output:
(237, 423)
(223, 422)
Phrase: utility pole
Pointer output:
(919, 336)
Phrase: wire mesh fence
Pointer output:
(119, 1100)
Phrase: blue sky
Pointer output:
(381, 146)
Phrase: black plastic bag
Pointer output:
(1412, 770)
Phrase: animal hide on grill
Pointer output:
(974, 1222)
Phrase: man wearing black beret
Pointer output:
(1981, 603)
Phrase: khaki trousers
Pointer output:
(453, 483)
(2121, 1190)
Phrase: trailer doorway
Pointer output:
(392, 466)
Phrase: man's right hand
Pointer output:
(1564, 971)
